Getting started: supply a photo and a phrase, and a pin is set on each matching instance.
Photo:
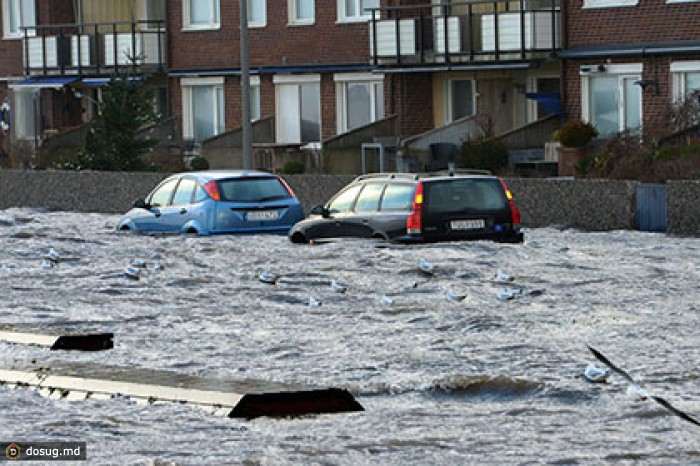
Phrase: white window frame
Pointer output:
(682, 1)
(26, 17)
(187, 24)
(359, 18)
(448, 110)
(609, 3)
(297, 80)
(679, 70)
(257, 23)
(341, 87)
(621, 72)
(255, 89)
(294, 20)
(24, 109)
(186, 84)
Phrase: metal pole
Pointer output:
(245, 89)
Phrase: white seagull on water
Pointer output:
(639, 392)
(132, 272)
(338, 287)
(502, 277)
(268, 277)
(52, 256)
(425, 266)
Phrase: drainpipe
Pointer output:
(245, 89)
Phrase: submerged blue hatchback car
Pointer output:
(212, 202)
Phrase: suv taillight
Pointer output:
(414, 223)
(514, 211)
(213, 190)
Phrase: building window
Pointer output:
(203, 108)
(257, 13)
(686, 79)
(25, 111)
(17, 14)
(201, 14)
(360, 100)
(355, 10)
(611, 100)
(608, 3)
(301, 12)
(254, 98)
(461, 99)
(298, 115)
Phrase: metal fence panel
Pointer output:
(652, 213)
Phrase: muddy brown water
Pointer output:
(479, 381)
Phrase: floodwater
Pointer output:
(479, 381)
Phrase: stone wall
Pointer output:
(587, 204)
(684, 207)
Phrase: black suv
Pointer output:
(413, 207)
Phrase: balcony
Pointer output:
(95, 48)
(465, 33)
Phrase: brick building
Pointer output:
(626, 62)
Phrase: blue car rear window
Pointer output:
(252, 190)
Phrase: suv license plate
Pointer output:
(262, 215)
(476, 224)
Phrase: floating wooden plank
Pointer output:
(240, 399)
(67, 341)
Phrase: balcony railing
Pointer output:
(95, 48)
(463, 32)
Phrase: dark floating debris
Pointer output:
(68, 341)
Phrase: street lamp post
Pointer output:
(245, 89)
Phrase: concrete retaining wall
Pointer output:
(586, 204)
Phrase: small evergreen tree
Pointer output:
(112, 142)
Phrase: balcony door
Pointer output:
(612, 100)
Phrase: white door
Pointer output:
(288, 118)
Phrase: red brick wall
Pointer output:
(649, 21)
(411, 97)
(277, 44)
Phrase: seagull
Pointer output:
(595, 374)
(505, 294)
(47, 264)
(386, 300)
(313, 302)
(638, 391)
(338, 287)
(52, 256)
(502, 277)
(268, 277)
(425, 266)
(410, 286)
(132, 272)
(457, 298)
(138, 263)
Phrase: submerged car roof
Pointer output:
(442, 175)
(209, 175)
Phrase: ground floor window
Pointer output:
(686, 79)
(360, 100)
(203, 107)
(298, 108)
(25, 112)
(612, 99)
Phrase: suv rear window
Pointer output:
(464, 194)
(252, 190)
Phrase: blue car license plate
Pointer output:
(262, 215)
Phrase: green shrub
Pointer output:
(484, 154)
(293, 167)
(199, 163)
(576, 133)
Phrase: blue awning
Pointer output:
(45, 82)
(550, 101)
(95, 82)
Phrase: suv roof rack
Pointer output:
(390, 176)
(460, 171)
